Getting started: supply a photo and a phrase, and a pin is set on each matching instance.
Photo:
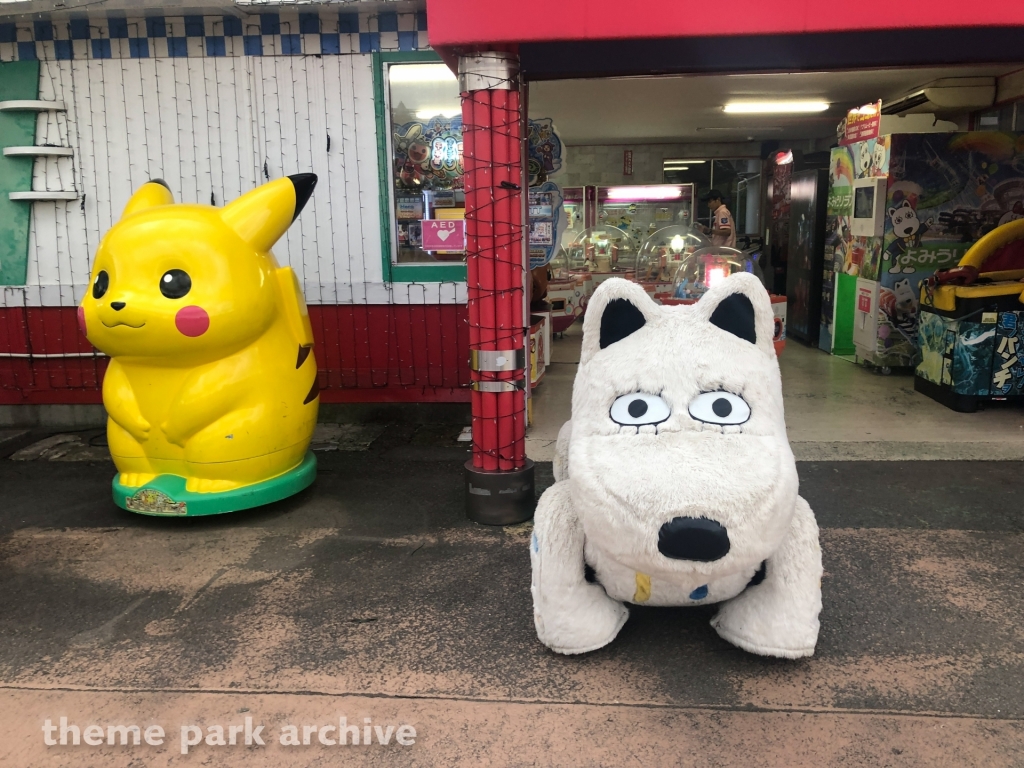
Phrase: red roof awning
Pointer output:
(468, 24)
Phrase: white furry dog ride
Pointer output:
(675, 481)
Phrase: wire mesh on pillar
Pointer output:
(492, 137)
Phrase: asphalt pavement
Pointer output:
(370, 597)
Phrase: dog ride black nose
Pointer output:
(117, 306)
(693, 538)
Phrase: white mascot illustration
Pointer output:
(878, 158)
(865, 155)
(675, 481)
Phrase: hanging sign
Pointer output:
(627, 162)
(446, 235)
(862, 123)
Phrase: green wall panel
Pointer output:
(18, 80)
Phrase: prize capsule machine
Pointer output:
(662, 254)
(568, 291)
(706, 267)
(605, 252)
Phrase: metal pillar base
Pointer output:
(500, 498)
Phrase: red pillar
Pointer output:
(499, 476)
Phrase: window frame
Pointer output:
(393, 271)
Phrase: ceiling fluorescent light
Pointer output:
(659, 192)
(774, 107)
(673, 161)
(420, 73)
(738, 129)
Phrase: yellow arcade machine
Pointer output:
(972, 324)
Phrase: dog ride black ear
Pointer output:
(735, 314)
(619, 319)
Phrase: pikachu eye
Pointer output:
(175, 284)
(100, 285)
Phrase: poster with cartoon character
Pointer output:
(547, 214)
(945, 191)
(544, 156)
(428, 155)
(871, 157)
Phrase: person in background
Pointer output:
(723, 229)
(538, 287)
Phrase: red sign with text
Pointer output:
(862, 123)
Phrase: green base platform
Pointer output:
(166, 496)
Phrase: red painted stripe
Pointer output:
(374, 353)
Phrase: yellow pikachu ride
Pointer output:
(211, 391)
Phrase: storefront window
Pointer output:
(428, 204)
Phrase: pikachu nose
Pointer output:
(117, 305)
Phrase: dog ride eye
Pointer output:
(638, 409)
(100, 285)
(175, 284)
(723, 408)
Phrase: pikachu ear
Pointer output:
(150, 195)
(260, 217)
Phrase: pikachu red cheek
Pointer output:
(81, 321)
(192, 321)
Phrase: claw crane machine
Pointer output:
(641, 210)
(620, 218)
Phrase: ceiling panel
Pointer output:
(655, 109)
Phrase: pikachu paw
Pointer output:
(172, 437)
(206, 485)
(135, 479)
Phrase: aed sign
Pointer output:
(444, 235)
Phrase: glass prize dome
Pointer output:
(559, 265)
(662, 252)
(707, 266)
(602, 249)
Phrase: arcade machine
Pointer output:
(641, 210)
(568, 290)
(972, 323)
(661, 254)
(607, 252)
(918, 203)
(706, 267)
